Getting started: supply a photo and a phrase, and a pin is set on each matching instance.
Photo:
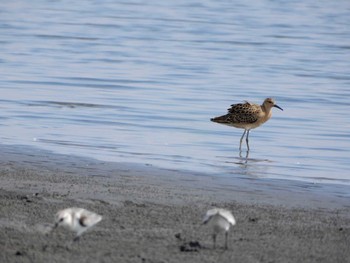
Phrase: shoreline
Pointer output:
(288, 193)
(149, 214)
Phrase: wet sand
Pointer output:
(153, 215)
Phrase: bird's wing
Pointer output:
(243, 113)
(209, 214)
(88, 218)
(227, 215)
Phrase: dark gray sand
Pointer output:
(154, 215)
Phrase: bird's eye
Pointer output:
(61, 219)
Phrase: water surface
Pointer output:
(138, 81)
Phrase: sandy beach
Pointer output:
(154, 215)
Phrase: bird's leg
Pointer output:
(240, 142)
(71, 243)
(226, 235)
(214, 241)
(246, 139)
(246, 157)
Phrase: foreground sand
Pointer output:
(154, 218)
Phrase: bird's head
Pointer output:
(269, 103)
(62, 218)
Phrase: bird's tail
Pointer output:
(221, 119)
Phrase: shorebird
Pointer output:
(247, 116)
(76, 219)
(220, 220)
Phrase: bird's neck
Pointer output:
(265, 109)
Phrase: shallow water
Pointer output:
(138, 81)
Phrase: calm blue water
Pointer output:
(138, 81)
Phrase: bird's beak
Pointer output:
(54, 227)
(278, 107)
